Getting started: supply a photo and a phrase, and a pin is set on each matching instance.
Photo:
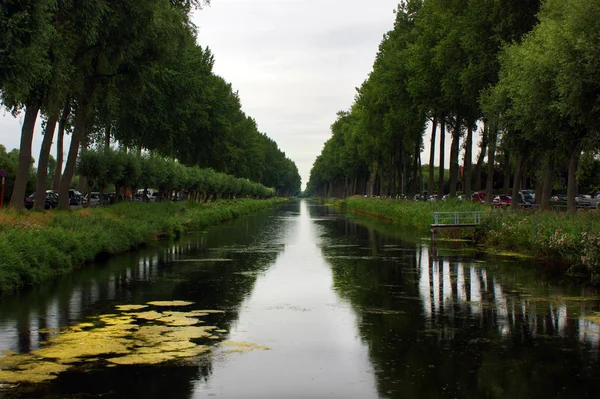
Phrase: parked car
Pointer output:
(75, 197)
(502, 201)
(94, 199)
(527, 196)
(51, 200)
(595, 201)
(478, 196)
(153, 196)
(583, 201)
(559, 197)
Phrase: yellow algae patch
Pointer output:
(205, 312)
(178, 321)
(32, 372)
(130, 307)
(115, 320)
(187, 314)
(186, 333)
(142, 358)
(149, 315)
(242, 346)
(191, 352)
(170, 303)
(145, 331)
(11, 361)
(92, 345)
(173, 346)
(85, 325)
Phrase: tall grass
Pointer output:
(35, 246)
(413, 214)
(570, 238)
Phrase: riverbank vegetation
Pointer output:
(569, 238)
(128, 75)
(37, 246)
(523, 74)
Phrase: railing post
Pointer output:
(455, 217)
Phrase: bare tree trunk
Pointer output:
(506, 174)
(18, 194)
(59, 145)
(372, 177)
(489, 184)
(468, 160)
(415, 175)
(514, 203)
(42, 171)
(572, 180)
(81, 184)
(431, 158)
(547, 187)
(454, 157)
(442, 152)
(107, 137)
(79, 133)
(482, 152)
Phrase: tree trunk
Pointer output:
(454, 157)
(547, 187)
(18, 194)
(468, 160)
(514, 203)
(489, 184)
(442, 162)
(482, 152)
(372, 177)
(415, 172)
(432, 158)
(107, 137)
(572, 180)
(82, 184)
(79, 133)
(59, 145)
(42, 171)
(506, 174)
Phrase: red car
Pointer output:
(502, 201)
(479, 197)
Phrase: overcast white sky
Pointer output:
(295, 63)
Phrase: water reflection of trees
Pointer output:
(165, 271)
(453, 327)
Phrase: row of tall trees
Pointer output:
(128, 72)
(523, 72)
(130, 171)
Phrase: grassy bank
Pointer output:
(36, 246)
(573, 239)
(412, 214)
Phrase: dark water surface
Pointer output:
(316, 306)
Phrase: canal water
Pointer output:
(300, 302)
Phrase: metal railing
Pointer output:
(456, 218)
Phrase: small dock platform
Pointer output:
(454, 221)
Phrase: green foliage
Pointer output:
(417, 215)
(105, 166)
(35, 247)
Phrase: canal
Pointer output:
(300, 302)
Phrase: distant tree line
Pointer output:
(525, 73)
(106, 167)
(125, 72)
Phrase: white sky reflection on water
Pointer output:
(315, 346)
